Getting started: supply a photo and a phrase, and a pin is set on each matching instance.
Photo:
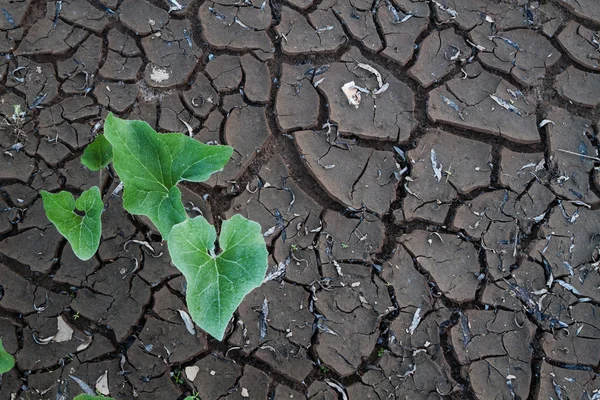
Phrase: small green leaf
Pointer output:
(218, 284)
(82, 232)
(7, 362)
(91, 397)
(97, 154)
(151, 164)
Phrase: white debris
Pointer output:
(580, 155)
(530, 165)
(187, 320)
(372, 70)
(191, 372)
(65, 332)
(409, 372)
(338, 268)
(245, 393)
(446, 9)
(415, 321)
(175, 6)
(159, 74)
(83, 346)
(102, 384)
(477, 46)
(505, 104)
(541, 165)
(567, 286)
(410, 191)
(546, 122)
(279, 271)
(270, 231)
(382, 89)
(84, 386)
(240, 23)
(352, 93)
(317, 83)
(539, 218)
(188, 126)
(437, 171)
(406, 18)
(326, 329)
(325, 29)
(337, 386)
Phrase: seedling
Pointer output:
(177, 377)
(7, 362)
(150, 165)
(16, 122)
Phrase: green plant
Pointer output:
(150, 165)
(177, 377)
(380, 352)
(7, 362)
(82, 231)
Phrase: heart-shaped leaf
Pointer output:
(217, 284)
(82, 231)
(151, 164)
(7, 362)
(97, 154)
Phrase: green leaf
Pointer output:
(82, 232)
(7, 362)
(91, 397)
(97, 154)
(151, 164)
(218, 284)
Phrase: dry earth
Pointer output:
(440, 240)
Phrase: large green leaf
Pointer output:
(91, 397)
(217, 284)
(7, 362)
(82, 231)
(151, 164)
(97, 154)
